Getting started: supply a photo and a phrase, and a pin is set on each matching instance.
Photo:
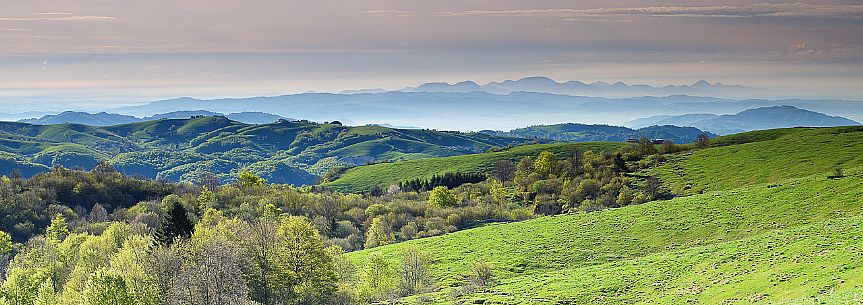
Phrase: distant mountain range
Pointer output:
(110, 119)
(293, 152)
(618, 89)
(480, 110)
(748, 120)
(570, 132)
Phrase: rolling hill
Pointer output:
(795, 239)
(83, 118)
(602, 133)
(292, 152)
(769, 156)
(109, 119)
(364, 178)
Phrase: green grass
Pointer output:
(363, 178)
(636, 244)
(809, 261)
(771, 157)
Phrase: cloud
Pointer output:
(818, 51)
(724, 11)
(63, 18)
(397, 13)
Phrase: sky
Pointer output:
(100, 54)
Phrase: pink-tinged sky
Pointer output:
(107, 53)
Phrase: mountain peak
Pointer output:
(702, 83)
(466, 83)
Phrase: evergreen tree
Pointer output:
(174, 224)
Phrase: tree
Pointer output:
(5, 243)
(250, 181)
(668, 147)
(702, 141)
(58, 230)
(207, 199)
(212, 274)
(104, 288)
(503, 170)
(304, 271)
(98, 213)
(378, 234)
(480, 275)
(378, 279)
(645, 146)
(442, 196)
(104, 167)
(545, 164)
(654, 188)
(499, 195)
(619, 163)
(414, 276)
(175, 224)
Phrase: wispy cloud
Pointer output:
(59, 17)
(723, 11)
(820, 51)
(397, 13)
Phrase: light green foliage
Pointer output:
(499, 193)
(169, 201)
(366, 177)
(379, 280)
(130, 262)
(58, 230)
(106, 288)
(442, 196)
(545, 164)
(207, 200)
(304, 270)
(249, 180)
(5, 243)
(378, 234)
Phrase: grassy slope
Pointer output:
(782, 265)
(366, 177)
(775, 156)
(780, 241)
(596, 255)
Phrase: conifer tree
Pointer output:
(174, 224)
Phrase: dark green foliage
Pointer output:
(175, 224)
(291, 152)
(27, 204)
(602, 133)
(449, 180)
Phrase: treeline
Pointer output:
(449, 180)
(244, 243)
(585, 181)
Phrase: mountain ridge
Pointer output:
(761, 118)
(110, 119)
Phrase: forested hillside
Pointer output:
(217, 148)
(603, 133)
(551, 224)
(368, 177)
